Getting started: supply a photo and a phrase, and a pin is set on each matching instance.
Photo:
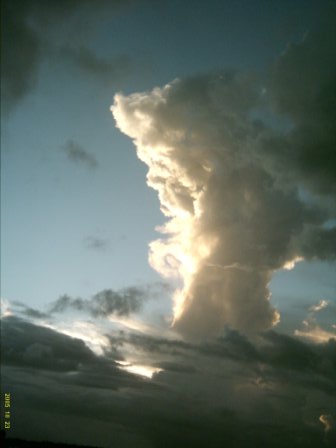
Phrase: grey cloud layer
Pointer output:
(229, 392)
(231, 186)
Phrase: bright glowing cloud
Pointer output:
(146, 371)
(5, 309)
(230, 222)
(317, 334)
(319, 306)
(289, 265)
(327, 421)
(136, 325)
(195, 172)
(87, 332)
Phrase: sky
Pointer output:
(168, 222)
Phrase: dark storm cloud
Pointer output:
(32, 31)
(273, 394)
(175, 367)
(30, 346)
(287, 352)
(151, 344)
(20, 58)
(234, 346)
(280, 352)
(26, 344)
(318, 243)
(76, 153)
(303, 88)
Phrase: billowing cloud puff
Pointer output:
(233, 217)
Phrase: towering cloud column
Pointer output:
(232, 218)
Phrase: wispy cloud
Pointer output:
(319, 306)
(318, 330)
(109, 302)
(96, 243)
(105, 70)
(76, 153)
(316, 334)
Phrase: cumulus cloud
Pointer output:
(231, 187)
(178, 135)
(76, 153)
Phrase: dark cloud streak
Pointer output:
(109, 302)
(105, 70)
(76, 153)
(33, 30)
(96, 243)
